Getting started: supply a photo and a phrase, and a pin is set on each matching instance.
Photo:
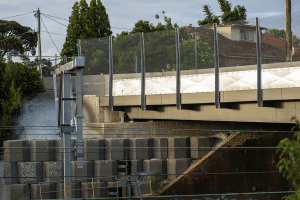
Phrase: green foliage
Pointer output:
(237, 15)
(85, 22)
(281, 34)
(289, 160)
(14, 42)
(16, 80)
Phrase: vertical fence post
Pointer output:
(258, 49)
(196, 59)
(143, 96)
(217, 92)
(178, 95)
(79, 47)
(110, 74)
(79, 116)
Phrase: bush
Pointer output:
(16, 80)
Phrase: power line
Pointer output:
(50, 35)
(55, 21)
(54, 17)
(54, 33)
(17, 15)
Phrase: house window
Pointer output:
(243, 35)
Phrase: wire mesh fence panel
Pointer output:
(127, 54)
(96, 52)
(187, 48)
(160, 51)
(205, 47)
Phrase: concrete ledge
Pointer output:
(11, 173)
(30, 172)
(84, 174)
(105, 170)
(19, 151)
(179, 148)
(47, 191)
(53, 171)
(177, 167)
(94, 190)
(17, 191)
(42, 150)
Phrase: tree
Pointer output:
(85, 22)
(15, 38)
(289, 160)
(228, 15)
(281, 34)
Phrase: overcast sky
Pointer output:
(123, 14)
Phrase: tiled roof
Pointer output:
(279, 43)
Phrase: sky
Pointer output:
(123, 14)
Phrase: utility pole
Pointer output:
(39, 38)
(288, 31)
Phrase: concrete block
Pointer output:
(121, 189)
(53, 171)
(179, 148)
(136, 166)
(11, 173)
(16, 151)
(196, 143)
(141, 148)
(84, 174)
(76, 190)
(94, 149)
(105, 170)
(42, 150)
(30, 172)
(94, 190)
(17, 191)
(160, 148)
(158, 167)
(59, 155)
(43, 191)
(177, 167)
(115, 149)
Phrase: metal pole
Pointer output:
(67, 138)
(196, 59)
(39, 38)
(217, 92)
(288, 30)
(79, 117)
(178, 96)
(143, 96)
(110, 74)
(258, 49)
(79, 47)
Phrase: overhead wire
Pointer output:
(55, 21)
(54, 17)
(17, 15)
(50, 36)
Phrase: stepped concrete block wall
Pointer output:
(59, 155)
(145, 188)
(160, 148)
(103, 168)
(76, 190)
(30, 172)
(43, 191)
(84, 174)
(136, 166)
(16, 151)
(53, 171)
(177, 167)
(141, 148)
(158, 167)
(94, 149)
(117, 149)
(179, 148)
(42, 150)
(17, 191)
(11, 173)
(94, 190)
(197, 142)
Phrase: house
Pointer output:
(237, 47)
